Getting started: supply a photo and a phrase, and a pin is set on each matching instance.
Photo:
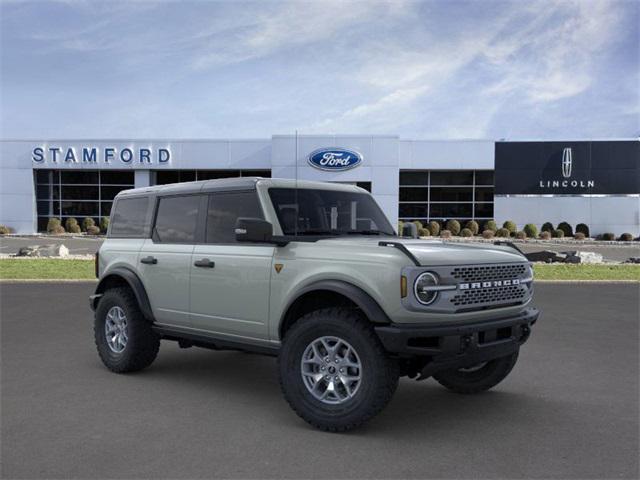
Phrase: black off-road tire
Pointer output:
(379, 373)
(467, 382)
(143, 343)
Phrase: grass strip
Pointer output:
(565, 271)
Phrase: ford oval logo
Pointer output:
(334, 159)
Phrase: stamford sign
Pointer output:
(334, 159)
(94, 155)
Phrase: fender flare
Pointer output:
(134, 283)
(362, 299)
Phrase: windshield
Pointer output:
(328, 212)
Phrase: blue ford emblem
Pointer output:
(334, 159)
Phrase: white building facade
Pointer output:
(591, 182)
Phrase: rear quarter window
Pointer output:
(129, 218)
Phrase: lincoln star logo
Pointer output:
(334, 159)
(567, 160)
(491, 284)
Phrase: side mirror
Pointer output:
(253, 230)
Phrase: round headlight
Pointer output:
(423, 288)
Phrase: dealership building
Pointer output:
(596, 182)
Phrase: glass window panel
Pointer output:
(365, 185)
(129, 218)
(80, 209)
(188, 176)
(484, 177)
(105, 209)
(43, 191)
(453, 177)
(42, 176)
(43, 208)
(176, 219)
(484, 210)
(449, 194)
(224, 210)
(451, 210)
(80, 192)
(56, 207)
(74, 177)
(414, 210)
(214, 174)
(42, 224)
(416, 194)
(256, 173)
(109, 192)
(167, 176)
(484, 194)
(117, 177)
(414, 178)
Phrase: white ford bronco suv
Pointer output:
(312, 273)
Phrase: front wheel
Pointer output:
(477, 378)
(333, 370)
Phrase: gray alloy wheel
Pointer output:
(331, 370)
(115, 329)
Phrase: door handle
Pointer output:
(149, 260)
(204, 263)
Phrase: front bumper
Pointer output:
(460, 345)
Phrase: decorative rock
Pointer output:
(632, 260)
(51, 250)
(589, 257)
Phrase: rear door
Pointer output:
(230, 280)
(165, 258)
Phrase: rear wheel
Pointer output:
(333, 370)
(124, 338)
(477, 378)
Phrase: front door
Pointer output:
(229, 280)
(165, 259)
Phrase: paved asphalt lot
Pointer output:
(568, 410)
(90, 245)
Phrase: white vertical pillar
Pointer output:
(142, 178)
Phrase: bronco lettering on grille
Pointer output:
(491, 284)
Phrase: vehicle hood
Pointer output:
(437, 252)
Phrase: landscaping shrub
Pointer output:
(491, 225)
(71, 225)
(453, 226)
(57, 230)
(521, 235)
(626, 237)
(104, 224)
(583, 228)
(531, 230)
(418, 224)
(566, 228)
(545, 235)
(52, 224)
(608, 236)
(93, 230)
(434, 227)
(503, 233)
(4, 230)
(400, 225)
(424, 232)
(488, 234)
(557, 233)
(511, 226)
(466, 232)
(473, 226)
(445, 234)
(88, 222)
(579, 236)
(547, 227)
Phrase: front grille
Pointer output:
(493, 295)
(489, 272)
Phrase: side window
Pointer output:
(176, 219)
(224, 210)
(129, 217)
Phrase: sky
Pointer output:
(420, 70)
